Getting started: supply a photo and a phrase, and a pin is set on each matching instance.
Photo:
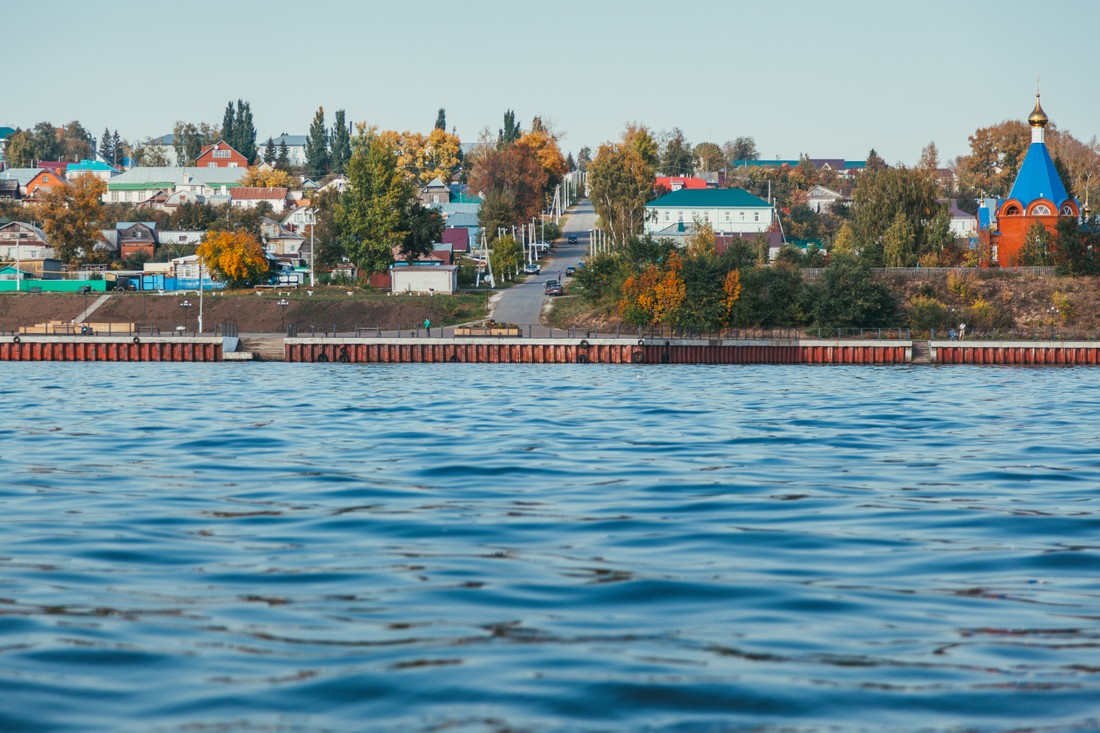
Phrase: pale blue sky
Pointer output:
(831, 78)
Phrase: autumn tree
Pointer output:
(584, 157)
(929, 158)
(545, 149)
(237, 256)
(874, 162)
(996, 153)
(341, 143)
(70, 217)
(373, 214)
(510, 177)
(267, 178)
(620, 183)
(649, 298)
(638, 136)
(317, 155)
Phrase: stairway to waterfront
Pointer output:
(263, 348)
(922, 354)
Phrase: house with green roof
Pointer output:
(151, 186)
(97, 168)
(5, 133)
(727, 210)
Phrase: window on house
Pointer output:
(222, 153)
(667, 215)
(233, 164)
(1041, 210)
(211, 165)
(727, 216)
(742, 216)
(756, 216)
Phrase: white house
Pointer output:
(22, 241)
(153, 185)
(963, 225)
(727, 210)
(295, 147)
(821, 199)
(429, 279)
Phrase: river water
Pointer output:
(277, 547)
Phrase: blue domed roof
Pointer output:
(1038, 178)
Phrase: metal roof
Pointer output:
(700, 198)
(172, 176)
(1038, 178)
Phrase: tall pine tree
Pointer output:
(511, 131)
(341, 143)
(441, 119)
(317, 157)
(244, 132)
(282, 160)
(228, 121)
(116, 148)
(269, 152)
(106, 147)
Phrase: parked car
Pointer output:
(571, 271)
(542, 246)
(532, 269)
(572, 239)
(553, 288)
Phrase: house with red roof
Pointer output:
(44, 180)
(220, 155)
(675, 183)
(249, 197)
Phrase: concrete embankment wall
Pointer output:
(593, 351)
(105, 348)
(1060, 353)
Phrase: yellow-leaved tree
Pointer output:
(70, 217)
(651, 297)
(236, 256)
(261, 176)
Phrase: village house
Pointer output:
(435, 193)
(295, 147)
(725, 209)
(821, 199)
(249, 197)
(220, 155)
(152, 186)
(97, 168)
(284, 244)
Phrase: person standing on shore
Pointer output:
(428, 326)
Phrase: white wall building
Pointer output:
(727, 210)
(424, 279)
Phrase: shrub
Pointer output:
(962, 284)
(927, 313)
(982, 314)
(1066, 310)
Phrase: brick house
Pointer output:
(220, 155)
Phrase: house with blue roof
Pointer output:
(1037, 196)
(727, 210)
(97, 168)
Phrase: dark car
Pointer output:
(570, 271)
(572, 239)
(553, 288)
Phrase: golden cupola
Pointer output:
(1038, 118)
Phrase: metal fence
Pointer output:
(912, 273)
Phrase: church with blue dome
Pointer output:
(1037, 195)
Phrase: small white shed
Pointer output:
(429, 279)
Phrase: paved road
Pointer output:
(522, 304)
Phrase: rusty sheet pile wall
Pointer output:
(95, 348)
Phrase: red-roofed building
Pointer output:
(249, 197)
(675, 183)
(46, 178)
(57, 166)
(220, 155)
(458, 238)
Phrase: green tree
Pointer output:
(880, 196)
(847, 296)
(441, 119)
(47, 143)
(425, 228)
(374, 210)
(282, 160)
(505, 257)
(620, 183)
(229, 120)
(770, 296)
(510, 132)
(676, 155)
(899, 243)
(244, 131)
(1071, 251)
(708, 157)
(584, 157)
(939, 240)
(270, 155)
(1036, 251)
(317, 155)
(638, 137)
(874, 162)
(743, 148)
(341, 143)
(189, 139)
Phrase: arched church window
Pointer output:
(1041, 210)
(1012, 211)
(1067, 210)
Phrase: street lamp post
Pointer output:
(283, 303)
(312, 221)
(186, 306)
(1052, 311)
